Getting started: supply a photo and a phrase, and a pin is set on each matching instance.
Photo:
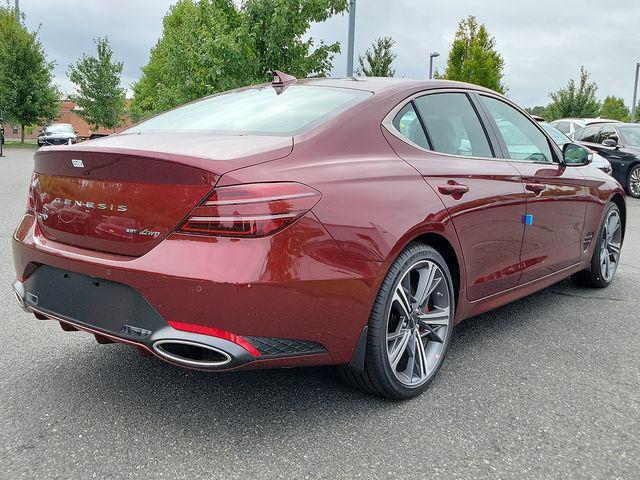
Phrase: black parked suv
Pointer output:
(57, 134)
(620, 144)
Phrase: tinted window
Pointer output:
(564, 127)
(453, 125)
(589, 134)
(408, 124)
(257, 110)
(608, 133)
(523, 139)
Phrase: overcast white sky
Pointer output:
(543, 42)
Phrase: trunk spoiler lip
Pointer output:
(208, 164)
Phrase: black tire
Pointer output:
(632, 189)
(377, 377)
(592, 277)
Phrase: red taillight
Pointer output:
(250, 210)
(215, 332)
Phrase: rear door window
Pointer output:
(590, 134)
(452, 125)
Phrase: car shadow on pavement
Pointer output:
(115, 382)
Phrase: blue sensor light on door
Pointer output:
(527, 219)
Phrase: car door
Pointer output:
(443, 137)
(555, 193)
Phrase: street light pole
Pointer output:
(431, 57)
(351, 37)
(18, 9)
(635, 95)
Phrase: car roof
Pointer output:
(586, 121)
(387, 84)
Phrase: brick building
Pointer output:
(68, 114)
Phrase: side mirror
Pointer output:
(575, 155)
(610, 143)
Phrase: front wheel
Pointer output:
(410, 326)
(606, 254)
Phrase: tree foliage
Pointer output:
(615, 109)
(473, 57)
(27, 93)
(539, 110)
(575, 100)
(208, 46)
(97, 80)
(377, 60)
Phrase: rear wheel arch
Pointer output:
(618, 199)
(444, 247)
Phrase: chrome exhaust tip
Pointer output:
(191, 354)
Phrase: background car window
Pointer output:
(630, 135)
(608, 133)
(453, 125)
(589, 134)
(576, 126)
(408, 124)
(564, 127)
(557, 136)
(523, 139)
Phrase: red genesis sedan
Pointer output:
(316, 222)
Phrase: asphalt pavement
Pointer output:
(546, 387)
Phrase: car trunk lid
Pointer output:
(124, 194)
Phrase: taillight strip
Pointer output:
(243, 218)
(275, 198)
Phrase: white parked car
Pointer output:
(569, 125)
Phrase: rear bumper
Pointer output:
(295, 297)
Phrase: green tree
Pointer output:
(473, 57)
(575, 100)
(208, 46)
(378, 58)
(97, 80)
(27, 93)
(539, 110)
(615, 109)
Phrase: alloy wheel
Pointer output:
(418, 320)
(634, 182)
(610, 245)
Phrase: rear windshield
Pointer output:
(257, 110)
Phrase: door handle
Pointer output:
(536, 188)
(454, 189)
